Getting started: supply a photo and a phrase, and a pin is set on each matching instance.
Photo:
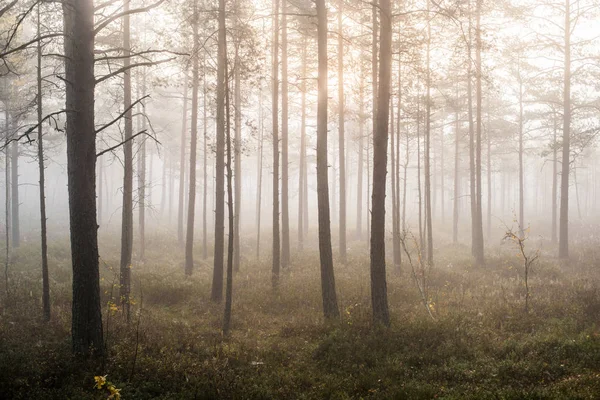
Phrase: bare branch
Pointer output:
(125, 69)
(108, 20)
(103, 127)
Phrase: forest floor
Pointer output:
(481, 345)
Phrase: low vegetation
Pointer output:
(482, 344)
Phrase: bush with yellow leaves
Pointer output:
(112, 391)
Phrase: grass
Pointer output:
(482, 345)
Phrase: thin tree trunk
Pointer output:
(361, 161)
(521, 172)
(563, 241)
(44, 248)
(554, 181)
(180, 207)
(259, 171)
(142, 181)
(285, 213)
(302, 172)
(191, 214)
(127, 210)
(341, 139)
(428, 209)
(275, 110)
(204, 164)
(330, 306)
(230, 206)
(489, 173)
(456, 205)
(14, 159)
(479, 255)
(237, 160)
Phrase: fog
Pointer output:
(299, 199)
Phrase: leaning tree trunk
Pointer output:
(191, 214)
(275, 110)
(86, 327)
(45, 282)
(380, 140)
(330, 306)
(341, 140)
(127, 210)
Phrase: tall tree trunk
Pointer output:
(7, 198)
(374, 75)
(217, 281)
(456, 200)
(141, 173)
(554, 180)
(396, 204)
(204, 163)
(86, 330)
(521, 173)
(285, 215)
(380, 140)
(230, 206)
(275, 110)
(127, 210)
(180, 208)
(237, 161)
(489, 173)
(419, 186)
(428, 210)
(360, 173)
(14, 169)
(302, 172)
(191, 214)
(341, 139)
(330, 306)
(259, 170)
(479, 255)
(44, 248)
(563, 240)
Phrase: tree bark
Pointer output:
(563, 240)
(86, 331)
(302, 172)
(285, 216)
(40, 143)
(127, 210)
(330, 306)
(275, 110)
(180, 208)
(428, 210)
(14, 192)
(237, 160)
(341, 139)
(191, 214)
(380, 140)
(217, 281)
(479, 255)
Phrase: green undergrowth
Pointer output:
(481, 345)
